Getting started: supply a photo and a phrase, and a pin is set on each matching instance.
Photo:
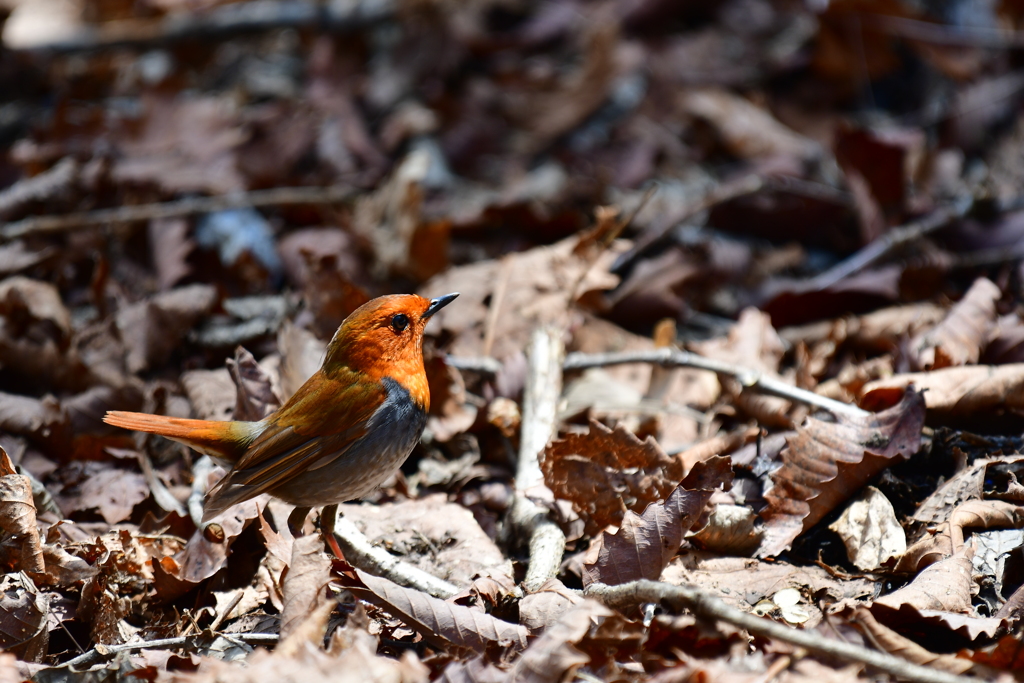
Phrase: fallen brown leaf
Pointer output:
(959, 391)
(644, 544)
(959, 338)
(440, 623)
(606, 472)
(826, 463)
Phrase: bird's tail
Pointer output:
(223, 440)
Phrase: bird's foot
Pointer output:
(328, 515)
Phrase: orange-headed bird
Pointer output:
(343, 433)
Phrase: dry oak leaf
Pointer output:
(644, 544)
(959, 338)
(606, 472)
(827, 462)
(945, 585)
(958, 391)
(442, 624)
(23, 610)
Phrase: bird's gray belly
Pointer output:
(392, 433)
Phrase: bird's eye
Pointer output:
(399, 322)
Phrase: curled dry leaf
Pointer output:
(945, 585)
(825, 463)
(23, 612)
(893, 643)
(309, 572)
(547, 604)
(959, 338)
(212, 393)
(644, 544)
(870, 531)
(18, 521)
(960, 391)
(607, 472)
(440, 623)
(731, 530)
(948, 538)
(256, 398)
(203, 557)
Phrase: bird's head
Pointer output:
(384, 336)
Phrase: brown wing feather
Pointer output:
(325, 416)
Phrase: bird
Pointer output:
(347, 429)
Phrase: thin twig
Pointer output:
(362, 554)
(540, 415)
(631, 595)
(279, 196)
(890, 241)
(746, 376)
(101, 651)
(225, 21)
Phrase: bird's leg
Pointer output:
(297, 519)
(328, 515)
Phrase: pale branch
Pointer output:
(540, 414)
(362, 554)
(223, 22)
(279, 196)
(631, 595)
(102, 651)
(748, 377)
(668, 357)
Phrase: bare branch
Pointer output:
(364, 555)
(101, 651)
(631, 595)
(540, 415)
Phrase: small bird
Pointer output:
(343, 433)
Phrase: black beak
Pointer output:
(439, 303)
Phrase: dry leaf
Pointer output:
(644, 544)
(606, 472)
(826, 463)
(959, 338)
(958, 391)
(870, 531)
(440, 623)
(309, 572)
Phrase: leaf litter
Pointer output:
(836, 208)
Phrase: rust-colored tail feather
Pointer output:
(224, 440)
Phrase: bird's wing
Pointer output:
(324, 417)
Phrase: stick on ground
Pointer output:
(540, 413)
(631, 595)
